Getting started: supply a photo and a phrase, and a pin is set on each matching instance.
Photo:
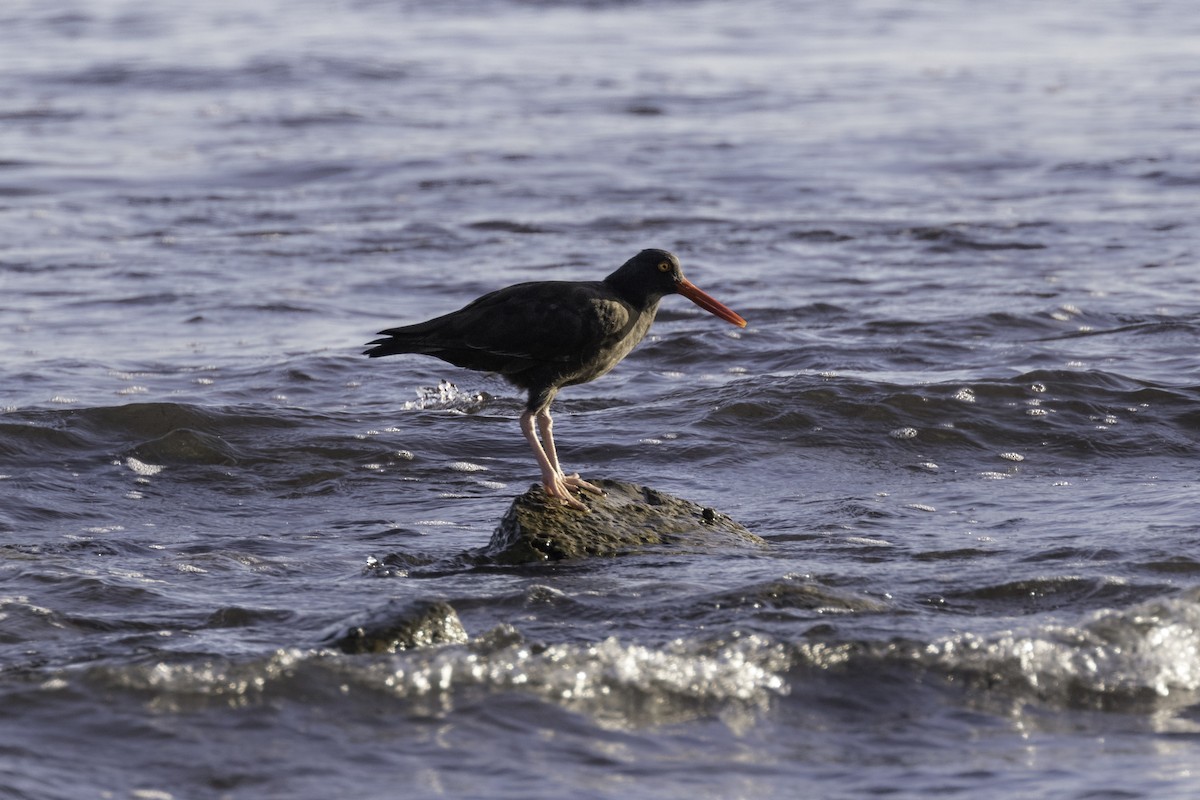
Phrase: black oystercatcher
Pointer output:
(545, 335)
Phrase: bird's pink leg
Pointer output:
(546, 428)
(553, 481)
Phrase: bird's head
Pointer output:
(653, 273)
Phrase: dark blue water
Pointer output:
(964, 415)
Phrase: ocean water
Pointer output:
(964, 415)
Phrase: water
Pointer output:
(964, 414)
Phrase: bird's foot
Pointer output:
(579, 483)
(559, 486)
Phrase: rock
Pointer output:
(401, 626)
(627, 518)
(794, 593)
(186, 446)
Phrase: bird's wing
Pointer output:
(547, 322)
(518, 327)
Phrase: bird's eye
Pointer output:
(664, 266)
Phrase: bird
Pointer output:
(544, 335)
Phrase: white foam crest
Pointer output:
(141, 467)
(174, 686)
(1146, 654)
(616, 682)
(619, 684)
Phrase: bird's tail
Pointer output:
(394, 341)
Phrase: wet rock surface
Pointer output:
(626, 518)
(400, 625)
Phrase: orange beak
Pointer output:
(708, 303)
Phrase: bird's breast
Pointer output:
(615, 329)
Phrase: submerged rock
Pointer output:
(401, 626)
(186, 446)
(627, 518)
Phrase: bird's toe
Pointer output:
(577, 482)
(559, 489)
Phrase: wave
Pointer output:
(1055, 411)
(1043, 417)
(1141, 659)
(618, 683)
(160, 432)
